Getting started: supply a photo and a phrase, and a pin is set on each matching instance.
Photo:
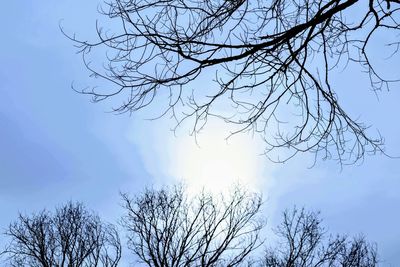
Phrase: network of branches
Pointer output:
(304, 242)
(168, 228)
(264, 66)
(71, 236)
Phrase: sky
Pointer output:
(55, 145)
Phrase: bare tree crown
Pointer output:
(304, 242)
(168, 229)
(70, 237)
(271, 62)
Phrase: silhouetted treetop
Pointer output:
(169, 229)
(71, 236)
(303, 241)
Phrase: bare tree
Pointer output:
(166, 228)
(72, 236)
(273, 61)
(303, 242)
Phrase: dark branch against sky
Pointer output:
(272, 65)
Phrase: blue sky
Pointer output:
(56, 146)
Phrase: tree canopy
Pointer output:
(168, 228)
(71, 236)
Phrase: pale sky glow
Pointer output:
(215, 163)
(212, 162)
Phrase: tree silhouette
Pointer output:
(70, 237)
(166, 228)
(270, 61)
(303, 242)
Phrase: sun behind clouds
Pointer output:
(216, 164)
